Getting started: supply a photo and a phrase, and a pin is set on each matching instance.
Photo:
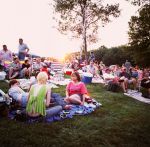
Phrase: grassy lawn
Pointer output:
(120, 122)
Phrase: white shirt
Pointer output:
(108, 76)
(5, 55)
(91, 69)
(37, 66)
(22, 47)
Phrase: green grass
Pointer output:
(120, 122)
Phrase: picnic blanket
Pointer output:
(87, 108)
(137, 95)
(98, 80)
(60, 82)
(26, 83)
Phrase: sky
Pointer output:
(32, 21)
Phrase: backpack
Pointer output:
(112, 86)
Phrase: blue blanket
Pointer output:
(65, 114)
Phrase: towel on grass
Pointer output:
(137, 95)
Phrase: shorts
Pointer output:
(130, 81)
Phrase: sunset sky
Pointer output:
(32, 21)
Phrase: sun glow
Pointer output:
(32, 21)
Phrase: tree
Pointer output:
(117, 55)
(139, 36)
(139, 2)
(82, 17)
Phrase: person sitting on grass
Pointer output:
(17, 93)
(128, 79)
(26, 69)
(39, 99)
(45, 69)
(14, 68)
(36, 66)
(76, 91)
(111, 79)
(145, 83)
(91, 68)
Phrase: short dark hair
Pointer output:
(12, 82)
(25, 61)
(15, 58)
(77, 75)
(4, 45)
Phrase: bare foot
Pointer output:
(68, 107)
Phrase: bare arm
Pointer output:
(29, 92)
(67, 93)
(83, 98)
(48, 97)
(27, 50)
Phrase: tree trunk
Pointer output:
(85, 44)
(84, 33)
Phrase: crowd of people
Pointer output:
(125, 76)
(39, 100)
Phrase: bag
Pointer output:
(3, 109)
(112, 87)
(145, 93)
(21, 116)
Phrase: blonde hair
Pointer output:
(42, 78)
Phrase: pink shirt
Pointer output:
(79, 88)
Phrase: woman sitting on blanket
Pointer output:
(76, 91)
(39, 99)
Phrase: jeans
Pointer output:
(58, 100)
(21, 56)
(53, 111)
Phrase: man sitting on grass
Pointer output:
(112, 80)
(128, 79)
(145, 83)
(26, 69)
(15, 68)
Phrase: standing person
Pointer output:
(92, 56)
(23, 49)
(127, 66)
(14, 68)
(5, 55)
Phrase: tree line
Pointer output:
(84, 17)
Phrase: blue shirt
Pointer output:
(17, 93)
